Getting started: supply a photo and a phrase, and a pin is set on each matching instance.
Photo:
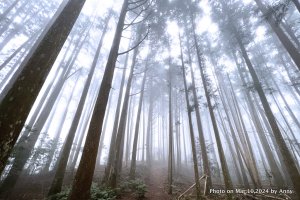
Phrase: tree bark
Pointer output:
(111, 152)
(137, 126)
(297, 4)
(287, 157)
(192, 136)
(224, 166)
(203, 146)
(16, 105)
(114, 172)
(62, 163)
(170, 160)
(285, 41)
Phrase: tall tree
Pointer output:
(192, 136)
(287, 157)
(137, 126)
(170, 151)
(203, 146)
(15, 106)
(83, 178)
(285, 41)
(224, 166)
(62, 163)
(114, 173)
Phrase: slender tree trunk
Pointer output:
(62, 163)
(291, 113)
(285, 41)
(203, 146)
(35, 125)
(144, 132)
(291, 33)
(111, 152)
(226, 175)
(192, 136)
(149, 125)
(4, 14)
(241, 130)
(170, 161)
(247, 143)
(114, 172)
(54, 145)
(287, 157)
(104, 130)
(297, 4)
(83, 179)
(129, 130)
(241, 175)
(260, 132)
(137, 126)
(25, 45)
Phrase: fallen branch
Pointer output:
(180, 196)
(205, 185)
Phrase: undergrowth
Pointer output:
(137, 187)
(97, 193)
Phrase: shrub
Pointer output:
(136, 186)
(97, 193)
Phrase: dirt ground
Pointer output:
(156, 184)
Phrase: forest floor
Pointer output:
(156, 183)
(155, 178)
(35, 187)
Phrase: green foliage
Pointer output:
(63, 195)
(97, 193)
(136, 186)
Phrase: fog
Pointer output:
(149, 99)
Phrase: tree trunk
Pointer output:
(203, 146)
(297, 4)
(239, 173)
(226, 175)
(260, 132)
(31, 133)
(170, 161)
(4, 14)
(285, 41)
(83, 178)
(15, 106)
(114, 172)
(55, 141)
(104, 130)
(192, 136)
(149, 126)
(62, 163)
(137, 126)
(111, 152)
(287, 157)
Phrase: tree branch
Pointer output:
(67, 77)
(137, 16)
(135, 2)
(135, 46)
(135, 93)
(133, 8)
(133, 23)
